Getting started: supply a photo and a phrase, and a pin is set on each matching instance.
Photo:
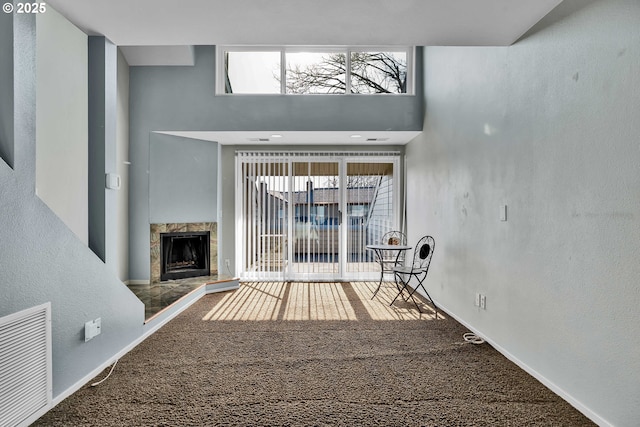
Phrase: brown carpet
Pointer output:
(273, 354)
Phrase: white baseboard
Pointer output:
(222, 286)
(208, 289)
(545, 381)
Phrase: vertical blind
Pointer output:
(293, 206)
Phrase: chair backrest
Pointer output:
(394, 238)
(423, 253)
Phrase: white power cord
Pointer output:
(108, 375)
(472, 338)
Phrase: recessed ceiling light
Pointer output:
(276, 135)
(356, 136)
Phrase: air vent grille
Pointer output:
(25, 366)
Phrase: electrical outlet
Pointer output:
(227, 263)
(477, 303)
(483, 302)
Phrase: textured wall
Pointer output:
(42, 260)
(183, 180)
(549, 127)
(61, 107)
(122, 168)
(6, 90)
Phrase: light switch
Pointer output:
(113, 181)
(503, 212)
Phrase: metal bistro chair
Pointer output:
(418, 269)
(387, 259)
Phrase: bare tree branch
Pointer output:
(371, 72)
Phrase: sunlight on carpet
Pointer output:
(252, 301)
(296, 301)
(379, 309)
(318, 301)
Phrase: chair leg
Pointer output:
(411, 292)
(425, 291)
(401, 289)
(405, 285)
(432, 303)
(414, 301)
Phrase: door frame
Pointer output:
(288, 158)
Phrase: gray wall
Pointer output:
(6, 90)
(42, 260)
(61, 115)
(99, 68)
(103, 117)
(227, 209)
(122, 168)
(183, 180)
(183, 98)
(550, 128)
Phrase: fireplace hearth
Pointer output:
(184, 254)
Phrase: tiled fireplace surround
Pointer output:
(156, 229)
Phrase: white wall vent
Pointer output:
(25, 366)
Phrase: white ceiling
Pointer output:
(306, 22)
(163, 32)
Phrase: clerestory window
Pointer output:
(314, 70)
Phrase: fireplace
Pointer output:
(184, 254)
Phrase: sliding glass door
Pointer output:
(317, 218)
(310, 216)
(372, 209)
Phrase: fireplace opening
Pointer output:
(184, 255)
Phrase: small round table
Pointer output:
(380, 250)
